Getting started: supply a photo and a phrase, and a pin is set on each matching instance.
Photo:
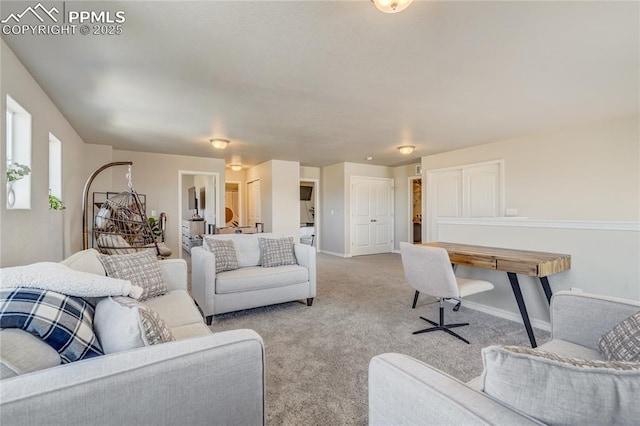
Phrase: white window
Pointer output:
(55, 166)
(18, 151)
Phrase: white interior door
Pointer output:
(253, 202)
(371, 216)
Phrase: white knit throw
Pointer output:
(62, 279)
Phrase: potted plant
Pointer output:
(15, 172)
(55, 203)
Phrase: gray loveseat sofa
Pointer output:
(250, 285)
(201, 378)
(406, 391)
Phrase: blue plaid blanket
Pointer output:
(63, 322)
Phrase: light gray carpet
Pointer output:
(317, 357)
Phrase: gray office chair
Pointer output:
(428, 270)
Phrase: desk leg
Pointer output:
(515, 286)
(546, 287)
(415, 299)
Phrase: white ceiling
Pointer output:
(322, 82)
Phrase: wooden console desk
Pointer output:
(513, 262)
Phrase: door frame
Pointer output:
(411, 180)
(240, 200)
(392, 219)
(181, 173)
(316, 203)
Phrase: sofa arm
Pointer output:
(306, 256)
(405, 391)
(217, 379)
(203, 279)
(583, 318)
(174, 272)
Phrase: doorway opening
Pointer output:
(309, 212)
(199, 202)
(233, 216)
(415, 209)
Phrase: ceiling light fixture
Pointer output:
(236, 167)
(406, 149)
(368, 158)
(219, 143)
(391, 6)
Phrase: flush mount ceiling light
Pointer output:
(391, 6)
(236, 167)
(406, 149)
(368, 158)
(219, 143)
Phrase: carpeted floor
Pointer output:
(317, 357)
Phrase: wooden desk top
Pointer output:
(532, 263)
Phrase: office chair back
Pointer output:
(428, 270)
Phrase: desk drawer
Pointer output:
(519, 267)
(470, 260)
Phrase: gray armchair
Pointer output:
(406, 391)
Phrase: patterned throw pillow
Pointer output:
(622, 342)
(142, 269)
(225, 253)
(123, 323)
(558, 390)
(63, 322)
(277, 252)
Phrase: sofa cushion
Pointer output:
(277, 252)
(176, 308)
(622, 342)
(257, 278)
(22, 352)
(570, 350)
(142, 269)
(64, 322)
(190, 330)
(247, 247)
(225, 253)
(122, 323)
(85, 261)
(559, 390)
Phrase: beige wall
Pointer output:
(39, 234)
(156, 176)
(332, 207)
(286, 198)
(590, 172)
(262, 172)
(580, 177)
(310, 172)
(279, 195)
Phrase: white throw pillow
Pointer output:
(557, 390)
(85, 261)
(122, 323)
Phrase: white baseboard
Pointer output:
(334, 253)
(542, 325)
